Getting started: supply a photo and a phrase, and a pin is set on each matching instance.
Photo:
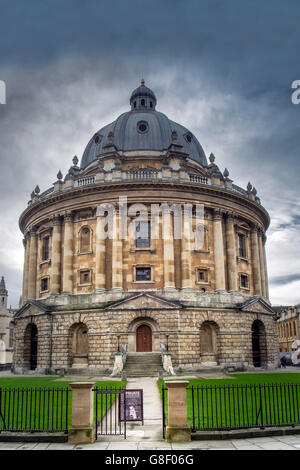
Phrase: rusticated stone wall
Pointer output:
(232, 346)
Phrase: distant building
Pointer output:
(6, 329)
(288, 327)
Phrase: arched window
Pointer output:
(85, 240)
(142, 102)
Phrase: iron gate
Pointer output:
(107, 412)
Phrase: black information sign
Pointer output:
(134, 405)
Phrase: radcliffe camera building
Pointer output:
(86, 298)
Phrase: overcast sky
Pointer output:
(223, 69)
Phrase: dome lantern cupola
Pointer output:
(142, 98)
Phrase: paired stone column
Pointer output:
(117, 255)
(262, 263)
(32, 265)
(218, 250)
(55, 279)
(231, 253)
(255, 261)
(100, 280)
(177, 429)
(67, 284)
(82, 430)
(168, 251)
(186, 253)
(26, 243)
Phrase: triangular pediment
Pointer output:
(258, 306)
(144, 301)
(31, 307)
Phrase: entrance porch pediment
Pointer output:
(31, 307)
(257, 305)
(144, 301)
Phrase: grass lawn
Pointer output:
(26, 403)
(243, 400)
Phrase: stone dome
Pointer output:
(143, 128)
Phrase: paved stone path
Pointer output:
(261, 443)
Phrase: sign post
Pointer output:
(131, 405)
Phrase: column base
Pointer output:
(169, 289)
(178, 434)
(83, 435)
(117, 290)
(100, 290)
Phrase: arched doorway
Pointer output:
(80, 347)
(259, 345)
(31, 347)
(208, 342)
(144, 339)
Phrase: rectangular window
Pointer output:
(44, 284)
(143, 274)
(45, 248)
(142, 234)
(241, 246)
(85, 277)
(202, 275)
(244, 281)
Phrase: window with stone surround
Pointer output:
(143, 273)
(242, 250)
(244, 281)
(202, 275)
(143, 234)
(45, 255)
(45, 284)
(85, 277)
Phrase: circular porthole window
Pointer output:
(142, 127)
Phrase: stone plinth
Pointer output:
(82, 430)
(177, 429)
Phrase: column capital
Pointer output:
(33, 232)
(254, 227)
(230, 216)
(68, 216)
(217, 214)
(56, 220)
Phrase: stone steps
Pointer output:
(143, 365)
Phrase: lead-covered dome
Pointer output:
(143, 128)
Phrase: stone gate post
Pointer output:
(177, 429)
(82, 430)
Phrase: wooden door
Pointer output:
(143, 339)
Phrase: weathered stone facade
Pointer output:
(86, 295)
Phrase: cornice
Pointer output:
(114, 186)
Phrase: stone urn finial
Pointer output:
(37, 189)
(226, 173)
(249, 186)
(212, 158)
(75, 160)
(59, 175)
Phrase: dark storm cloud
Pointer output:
(284, 279)
(221, 68)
